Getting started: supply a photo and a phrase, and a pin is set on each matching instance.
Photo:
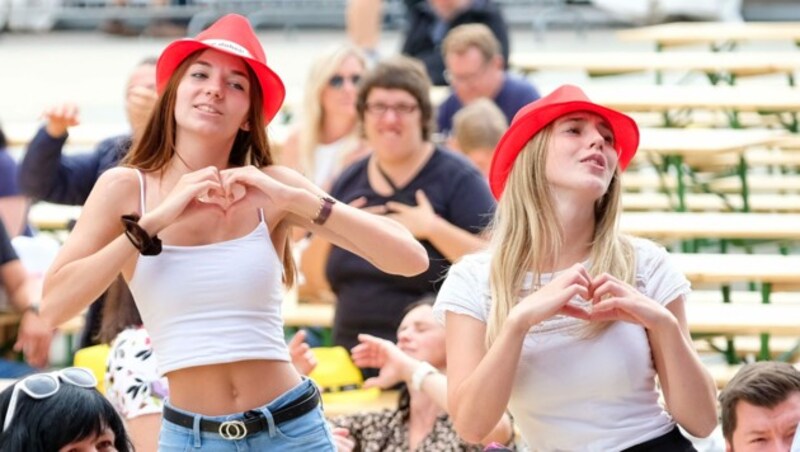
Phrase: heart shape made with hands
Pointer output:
(225, 196)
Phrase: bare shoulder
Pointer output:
(117, 185)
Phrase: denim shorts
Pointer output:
(309, 432)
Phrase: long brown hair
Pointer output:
(156, 147)
(119, 311)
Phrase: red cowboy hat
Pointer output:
(535, 116)
(231, 34)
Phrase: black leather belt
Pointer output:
(253, 421)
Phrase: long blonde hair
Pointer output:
(156, 147)
(322, 70)
(526, 234)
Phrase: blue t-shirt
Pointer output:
(9, 186)
(371, 301)
(515, 93)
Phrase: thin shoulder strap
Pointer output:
(261, 215)
(141, 191)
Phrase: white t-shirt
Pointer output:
(571, 393)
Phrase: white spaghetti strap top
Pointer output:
(214, 303)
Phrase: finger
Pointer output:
(610, 287)
(298, 338)
(577, 289)
(371, 383)
(377, 210)
(422, 200)
(359, 202)
(575, 311)
(340, 431)
(394, 206)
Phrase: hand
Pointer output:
(417, 219)
(33, 339)
(341, 437)
(140, 101)
(395, 366)
(361, 203)
(264, 188)
(303, 358)
(182, 197)
(59, 118)
(613, 299)
(555, 296)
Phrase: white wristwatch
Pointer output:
(423, 370)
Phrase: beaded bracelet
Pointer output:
(325, 209)
(147, 246)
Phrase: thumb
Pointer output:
(298, 338)
(422, 200)
(373, 382)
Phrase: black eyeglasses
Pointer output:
(337, 81)
(42, 386)
(379, 109)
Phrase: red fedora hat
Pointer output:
(538, 114)
(230, 34)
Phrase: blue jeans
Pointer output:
(309, 432)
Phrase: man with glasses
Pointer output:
(430, 21)
(475, 69)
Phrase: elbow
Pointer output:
(418, 262)
(469, 433)
(702, 428)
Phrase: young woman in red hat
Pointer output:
(198, 222)
(564, 321)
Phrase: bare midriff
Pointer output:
(221, 389)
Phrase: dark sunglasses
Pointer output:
(42, 386)
(337, 81)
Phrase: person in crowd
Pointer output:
(760, 408)
(428, 22)
(13, 204)
(435, 193)
(563, 320)
(476, 69)
(48, 175)
(420, 421)
(201, 180)
(327, 139)
(60, 411)
(132, 381)
(34, 335)
(477, 129)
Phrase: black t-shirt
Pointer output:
(371, 301)
(7, 253)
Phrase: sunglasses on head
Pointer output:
(42, 386)
(337, 81)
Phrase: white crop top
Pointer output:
(571, 393)
(212, 304)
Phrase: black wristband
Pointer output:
(147, 246)
(325, 209)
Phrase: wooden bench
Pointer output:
(712, 33)
(708, 202)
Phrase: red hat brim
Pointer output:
(530, 121)
(272, 89)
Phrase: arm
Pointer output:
(383, 242)
(34, 336)
(97, 249)
(47, 175)
(452, 241)
(689, 390)
(397, 366)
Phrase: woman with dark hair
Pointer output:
(436, 194)
(60, 411)
(202, 179)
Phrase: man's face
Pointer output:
(765, 429)
(471, 76)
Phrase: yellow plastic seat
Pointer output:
(338, 378)
(94, 358)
